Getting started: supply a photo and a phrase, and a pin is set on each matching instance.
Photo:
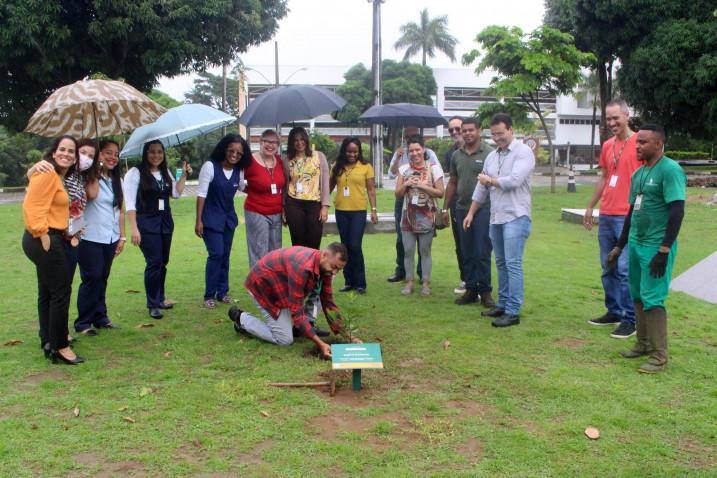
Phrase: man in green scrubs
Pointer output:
(657, 206)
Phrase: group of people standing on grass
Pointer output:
(76, 193)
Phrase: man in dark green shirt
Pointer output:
(476, 248)
(657, 206)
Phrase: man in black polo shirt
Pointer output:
(476, 248)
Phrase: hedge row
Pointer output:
(688, 155)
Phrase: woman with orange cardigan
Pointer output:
(46, 212)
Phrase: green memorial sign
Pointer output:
(356, 357)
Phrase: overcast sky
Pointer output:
(338, 32)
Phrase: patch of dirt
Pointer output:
(253, 457)
(379, 432)
(471, 450)
(570, 342)
(53, 374)
(110, 469)
(698, 455)
(470, 407)
(410, 363)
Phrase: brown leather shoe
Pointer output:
(486, 300)
(469, 297)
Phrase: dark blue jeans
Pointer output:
(351, 226)
(95, 262)
(400, 253)
(155, 248)
(614, 282)
(216, 272)
(476, 248)
(456, 228)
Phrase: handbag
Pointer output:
(438, 222)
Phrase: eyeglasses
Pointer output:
(269, 142)
(457, 129)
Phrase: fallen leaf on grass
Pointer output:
(144, 391)
(170, 302)
(34, 426)
(145, 326)
(446, 344)
(197, 443)
(592, 433)
(12, 342)
(133, 291)
(122, 409)
(264, 413)
(76, 411)
(167, 354)
(128, 419)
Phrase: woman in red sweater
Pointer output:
(264, 188)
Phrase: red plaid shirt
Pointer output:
(284, 278)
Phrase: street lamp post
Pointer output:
(377, 130)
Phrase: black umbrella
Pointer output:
(403, 114)
(291, 103)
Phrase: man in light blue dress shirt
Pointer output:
(506, 181)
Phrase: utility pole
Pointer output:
(276, 83)
(377, 130)
(224, 92)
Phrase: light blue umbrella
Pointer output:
(176, 126)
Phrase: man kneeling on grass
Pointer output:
(287, 285)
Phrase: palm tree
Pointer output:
(427, 37)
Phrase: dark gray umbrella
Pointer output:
(290, 103)
(396, 115)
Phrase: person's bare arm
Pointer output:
(594, 199)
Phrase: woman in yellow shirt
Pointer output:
(46, 212)
(306, 203)
(353, 178)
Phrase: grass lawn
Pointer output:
(511, 402)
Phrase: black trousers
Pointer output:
(95, 262)
(53, 287)
(155, 248)
(303, 220)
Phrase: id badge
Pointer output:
(613, 181)
(346, 192)
(300, 188)
(414, 199)
(273, 189)
(160, 205)
(638, 203)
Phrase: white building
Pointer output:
(459, 92)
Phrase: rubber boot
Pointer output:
(642, 345)
(657, 333)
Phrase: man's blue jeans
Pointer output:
(508, 245)
(614, 282)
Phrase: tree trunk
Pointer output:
(602, 75)
(423, 61)
(592, 133)
(550, 146)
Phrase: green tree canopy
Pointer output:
(207, 90)
(425, 37)
(671, 77)
(545, 61)
(401, 82)
(45, 45)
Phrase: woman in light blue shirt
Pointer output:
(103, 240)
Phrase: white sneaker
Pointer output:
(460, 289)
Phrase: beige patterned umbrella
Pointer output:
(92, 109)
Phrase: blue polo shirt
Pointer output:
(101, 216)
